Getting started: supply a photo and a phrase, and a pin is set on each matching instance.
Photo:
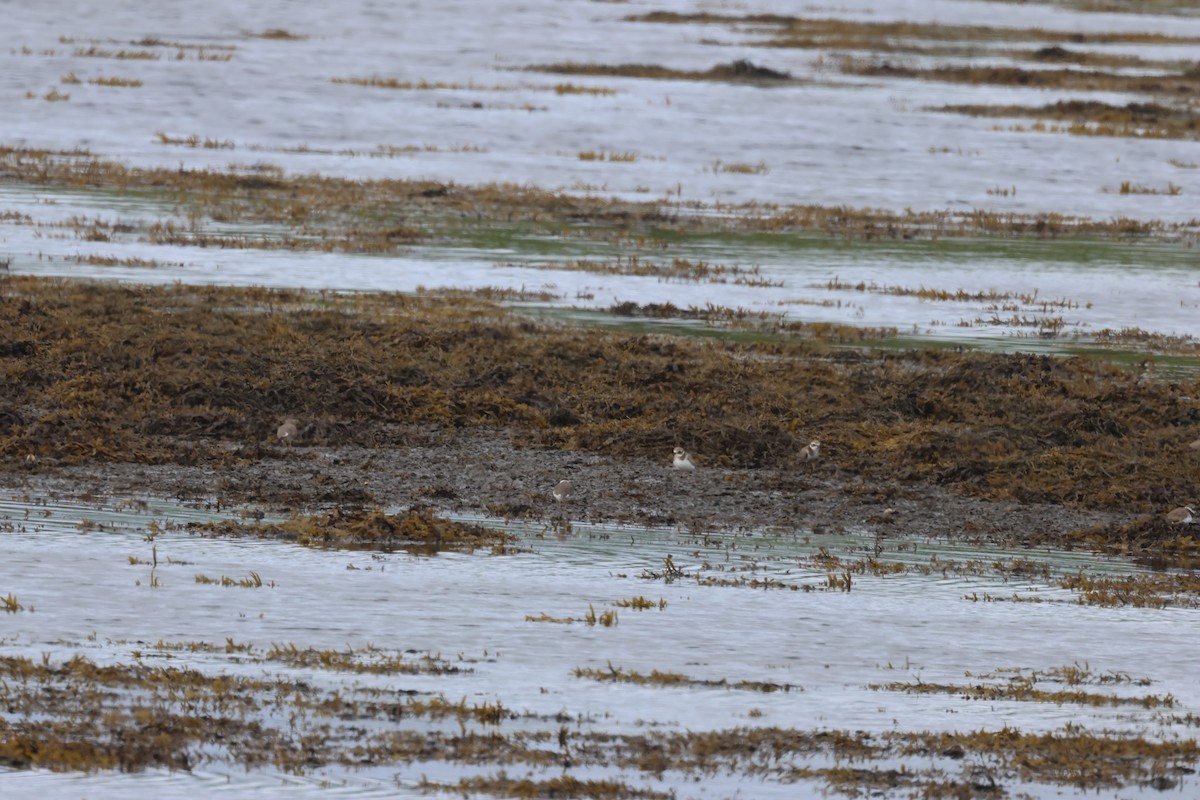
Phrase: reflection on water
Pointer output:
(115, 581)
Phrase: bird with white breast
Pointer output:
(288, 431)
(1184, 515)
(683, 460)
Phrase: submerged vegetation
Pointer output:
(329, 214)
(379, 82)
(1096, 118)
(675, 679)
(1054, 686)
(80, 715)
(680, 269)
(900, 35)
(905, 49)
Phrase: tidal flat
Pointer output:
(393, 601)
(471, 254)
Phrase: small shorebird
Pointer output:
(811, 451)
(683, 460)
(563, 491)
(288, 431)
(1181, 516)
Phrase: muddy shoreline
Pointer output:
(483, 473)
(466, 408)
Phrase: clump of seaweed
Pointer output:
(1096, 118)
(682, 269)
(115, 80)
(1150, 539)
(100, 52)
(194, 140)
(423, 85)
(1169, 8)
(741, 168)
(379, 82)
(656, 678)
(250, 581)
(902, 35)
(640, 603)
(741, 71)
(367, 660)
(98, 373)
(1176, 85)
(1129, 187)
(502, 784)
(602, 155)
(1031, 687)
(323, 214)
(416, 530)
(1152, 590)
(607, 619)
(279, 34)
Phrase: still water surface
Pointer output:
(69, 564)
(253, 101)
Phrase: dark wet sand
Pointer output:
(480, 472)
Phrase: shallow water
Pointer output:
(833, 141)
(83, 596)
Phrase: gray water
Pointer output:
(832, 140)
(83, 596)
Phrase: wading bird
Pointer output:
(288, 431)
(683, 460)
(1181, 516)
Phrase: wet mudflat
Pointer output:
(558, 242)
(189, 599)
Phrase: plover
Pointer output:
(1181, 516)
(683, 460)
(288, 431)
(563, 491)
(811, 451)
